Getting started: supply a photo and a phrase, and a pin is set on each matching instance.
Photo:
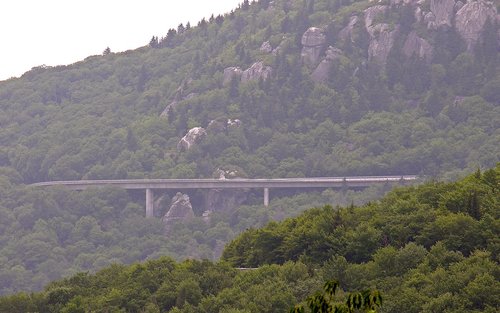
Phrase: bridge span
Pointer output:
(238, 183)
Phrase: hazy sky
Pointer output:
(57, 32)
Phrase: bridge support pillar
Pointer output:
(149, 203)
(266, 196)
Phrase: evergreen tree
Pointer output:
(106, 51)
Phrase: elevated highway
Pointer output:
(240, 183)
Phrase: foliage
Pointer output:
(453, 214)
(367, 301)
(415, 268)
(100, 119)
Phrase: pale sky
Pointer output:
(61, 32)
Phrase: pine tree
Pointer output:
(106, 51)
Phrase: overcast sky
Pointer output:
(60, 32)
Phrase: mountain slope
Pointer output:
(281, 89)
(428, 248)
(99, 118)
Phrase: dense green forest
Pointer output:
(429, 248)
(284, 88)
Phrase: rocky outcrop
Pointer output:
(180, 210)
(178, 97)
(381, 43)
(227, 173)
(216, 126)
(414, 45)
(418, 14)
(471, 18)
(192, 137)
(371, 14)
(313, 42)
(443, 11)
(236, 123)
(173, 105)
(257, 71)
(219, 126)
(169, 108)
(430, 20)
(458, 5)
(225, 200)
(346, 32)
(280, 47)
(382, 35)
(230, 73)
(266, 47)
(322, 72)
(407, 2)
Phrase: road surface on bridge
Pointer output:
(310, 182)
(238, 183)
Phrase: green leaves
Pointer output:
(367, 301)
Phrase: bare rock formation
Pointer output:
(236, 123)
(230, 73)
(171, 106)
(443, 11)
(280, 47)
(266, 47)
(322, 72)
(382, 35)
(178, 97)
(225, 200)
(430, 20)
(227, 173)
(458, 5)
(381, 43)
(407, 2)
(414, 45)
(192, 137)
(180, 210)
(419, 16)
(257, 71)
(346, 32)
(313, 42)
(471, 18)
(220, 125)
(371, 14)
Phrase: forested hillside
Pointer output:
(431, 248)
(284, 88)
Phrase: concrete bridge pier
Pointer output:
(266, 196)
(150, 210)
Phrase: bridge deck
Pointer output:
(150, 184)
(312, 182)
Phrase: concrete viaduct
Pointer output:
(239, 183)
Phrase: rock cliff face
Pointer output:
(257, 71)
(443, 11)
(223, 200)
(180, 210)
(414, 45)
(346, 32)
(230, 73)
(266, 47)
(313, 42)
(219, 126)
(381, 43)
(193, 136)
(371, 14)
(471, 18)
(322, 72)
(382, 35)
(177, 97)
